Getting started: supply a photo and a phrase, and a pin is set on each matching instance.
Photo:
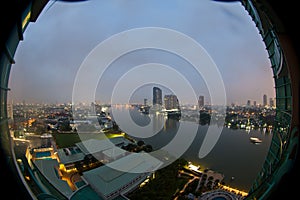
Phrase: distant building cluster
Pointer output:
(264, 102)
(171, 102)
(171, 105)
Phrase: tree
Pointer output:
(140, 143)
(148, 148)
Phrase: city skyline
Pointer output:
(146, 96)
(145, 101)
(47, 60)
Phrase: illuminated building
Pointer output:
(157, 96)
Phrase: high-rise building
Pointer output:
(93, 108)
(145, 102)
(265, 100)
(201, 101)
(171, 102)
(10, 112)
(157, 96)
(271, 102)
(254, 103)
(248, 102)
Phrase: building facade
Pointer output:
(201, 101)
(157, 96)
(265, 100)
(171, 102)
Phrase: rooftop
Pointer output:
(108, 179)
(49, 168)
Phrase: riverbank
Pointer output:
(181, 179)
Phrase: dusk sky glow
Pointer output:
(56, 45)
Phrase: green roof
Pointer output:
(86, 193)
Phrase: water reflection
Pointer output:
(234, 155)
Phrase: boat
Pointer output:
(144, 109)
(46, 135)
(173, 113)
(255, 140)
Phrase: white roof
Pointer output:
(114, 152)
(49, 168)
(93, 145)
(109, 178)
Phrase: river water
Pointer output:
(233, 154)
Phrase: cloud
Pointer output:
(58, 42)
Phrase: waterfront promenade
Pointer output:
(211, 181)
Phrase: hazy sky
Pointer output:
(56, 45)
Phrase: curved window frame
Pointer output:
(283, 152)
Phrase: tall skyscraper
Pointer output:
(157, 96)
(248, 103)
(171, 102)
(265, 100)
(93, 108)
(201, 101)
